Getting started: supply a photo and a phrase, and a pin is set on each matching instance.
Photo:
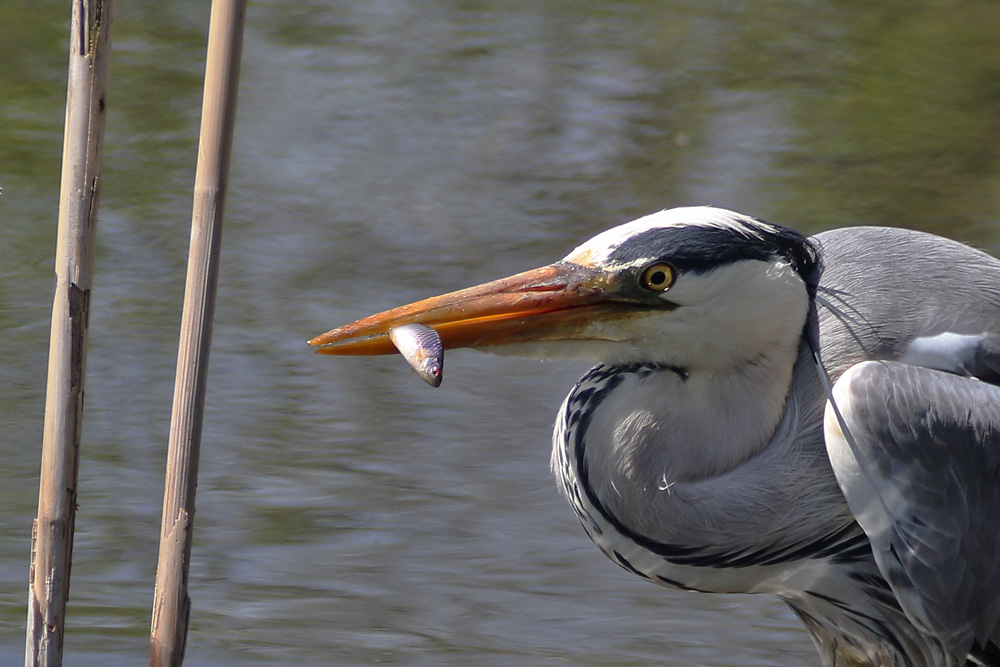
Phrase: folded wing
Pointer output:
(916, 452)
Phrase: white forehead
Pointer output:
(597, 250)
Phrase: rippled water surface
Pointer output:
(385, 151)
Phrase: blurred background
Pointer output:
(386, 151)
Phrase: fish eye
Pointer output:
(657, 277)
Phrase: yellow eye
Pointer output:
(657, 277)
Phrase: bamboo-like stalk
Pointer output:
(171, 604)
(83, 143)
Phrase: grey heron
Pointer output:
(812, 418)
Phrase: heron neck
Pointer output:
(684, 427)
(662, 450)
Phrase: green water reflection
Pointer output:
(386, 151)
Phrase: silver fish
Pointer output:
(421, 347)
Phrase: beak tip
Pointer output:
(323, 338)
(342, 342)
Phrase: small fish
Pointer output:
(421, 347)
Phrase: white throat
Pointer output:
(661, 428)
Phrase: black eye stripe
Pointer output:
(699, 248)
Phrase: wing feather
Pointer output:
(920, 468)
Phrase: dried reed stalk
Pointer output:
(171, 604)
(83, 142)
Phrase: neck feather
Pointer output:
(693, 460)
(657, 429)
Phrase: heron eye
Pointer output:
(657, 277)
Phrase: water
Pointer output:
(387, 151)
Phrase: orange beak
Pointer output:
(555, 302)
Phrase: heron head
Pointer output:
(695, 288)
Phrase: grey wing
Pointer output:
(920, 469)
